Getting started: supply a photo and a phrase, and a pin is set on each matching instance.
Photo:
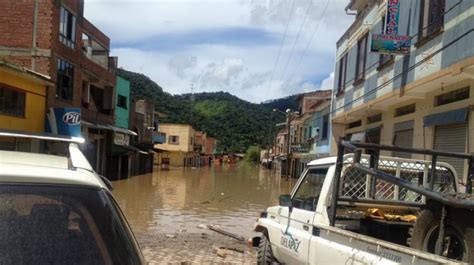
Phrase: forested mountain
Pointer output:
(235, 123)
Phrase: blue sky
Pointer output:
(226, 45)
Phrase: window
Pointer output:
(405, 110)
(354, 124)
(12, 102)
(431, 17)
(325, 132)
(361, 57)
(65, 80)
(385, 59)
(173, 139)
(67, 28)
(307, 195)
(452, 96)
(122, 101)
(342, 74)
(374, 118)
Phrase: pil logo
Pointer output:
(72, 118)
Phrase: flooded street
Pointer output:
(165, 209)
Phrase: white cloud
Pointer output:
(140, 30)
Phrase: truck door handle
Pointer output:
(306, 228)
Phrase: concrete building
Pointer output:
(179, 148)
(120, 165)
(142, 122)
(22, 105)
(307, 131)
(55, 39)
(204, 146)
(422, 99)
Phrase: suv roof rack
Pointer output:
(41, 136)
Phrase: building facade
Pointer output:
(142, 124)
(121, 153)
(22, 105)
(422, 99)
(179, 148)
(55, 39)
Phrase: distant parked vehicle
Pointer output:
(57, 210)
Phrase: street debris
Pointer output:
(170, 236)
(202, 226)
(217, 229)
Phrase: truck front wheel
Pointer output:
(265, 254)
(458, 236)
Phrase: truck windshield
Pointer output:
(62, 225)
(307, 194)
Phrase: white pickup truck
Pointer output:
(374, 220)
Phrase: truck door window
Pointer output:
(307, 195)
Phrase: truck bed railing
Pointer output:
(371, 172)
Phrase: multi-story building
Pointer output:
(142, 122)
(55, 39)
(22, 105)
(309, 136)
(422, 99)
(179, 148)
(120, 152)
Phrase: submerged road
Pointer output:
(169, 210)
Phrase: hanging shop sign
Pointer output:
(392, 17)
(390, 44)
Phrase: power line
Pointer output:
(283, 40)
(309, 41)
(297, 36)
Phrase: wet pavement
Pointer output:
(168, 211)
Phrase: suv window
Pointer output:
(307, 195)
(62, 225)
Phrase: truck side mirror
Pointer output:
(285, 200)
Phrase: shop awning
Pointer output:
(109, 127)
(133, 148)
(445, 118)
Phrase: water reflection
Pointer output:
(182, 198)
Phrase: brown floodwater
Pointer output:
(231, 196)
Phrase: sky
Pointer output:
(257, 50)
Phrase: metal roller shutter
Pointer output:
(403, 139)
(452, 138)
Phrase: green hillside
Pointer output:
(235, 123)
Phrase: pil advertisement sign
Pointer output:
(64, 121)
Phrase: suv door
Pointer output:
(295, 238)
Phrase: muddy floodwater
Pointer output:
(167, 209)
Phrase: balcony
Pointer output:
(159, 137)
(97, 103)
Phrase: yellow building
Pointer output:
(178, 148)
(22, 105)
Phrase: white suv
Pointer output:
(57, 210)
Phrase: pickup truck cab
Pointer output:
(368, 229)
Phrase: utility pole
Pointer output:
(288, 143)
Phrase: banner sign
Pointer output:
(392, 17)
(390, 44)
(121, 139)
(64, 121)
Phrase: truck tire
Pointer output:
(424, 234)
(265, 254)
